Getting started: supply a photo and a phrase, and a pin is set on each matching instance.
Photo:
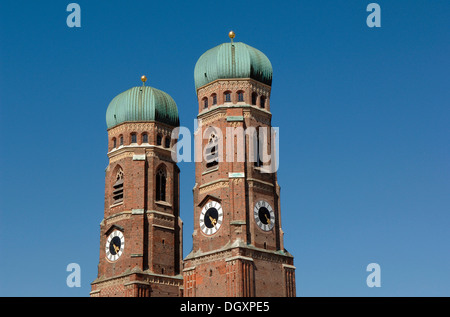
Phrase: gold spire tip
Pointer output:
(144, 79)
(231, 35)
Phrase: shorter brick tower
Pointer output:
(141, 232)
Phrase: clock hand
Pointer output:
(267, 218)
(213, 221)
(116, 248)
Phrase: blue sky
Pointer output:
(364, 132)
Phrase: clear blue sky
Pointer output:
(364, 132)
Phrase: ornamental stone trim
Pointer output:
(220, 183)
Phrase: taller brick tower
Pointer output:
(238, 245)
(141, 232)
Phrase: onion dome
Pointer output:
(140, 104)
(232, 60)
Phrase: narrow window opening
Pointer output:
(161, 185)
(227, 97)
(263, 102)
(133, 138)
(167, 142)
(118, 187)
(254, 97)
(145, 138)
(240, 96)
(257, 147)
(214, 99)
(158, 139)
(213, 155)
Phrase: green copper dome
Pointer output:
(232, 60)
(142, 104)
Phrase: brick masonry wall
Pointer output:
(237, 186)
(152, 229)
(240, 259)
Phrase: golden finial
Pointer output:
(231, 35)
(144, 79)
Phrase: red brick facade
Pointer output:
(238, 247)
(151, 260)
(240, 258)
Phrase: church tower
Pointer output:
(141, 232)
(238, 245)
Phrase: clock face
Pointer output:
(264, 215)
(114, 245)
(211, 218)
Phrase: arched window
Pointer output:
(254, 97)
(133, 138)
(161, 185)
(240, 96)
(114, 143)
(145, 138)
(118, 187)
(227, 96)
(212, 156)
(121, 140)
(158, 139)
(205, 103)
(214, 99)
(167, 142)
(262, 101)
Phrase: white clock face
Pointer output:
(211, 218)
(114, 245)
(264, 215)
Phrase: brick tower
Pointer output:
(237, 240)
(141, 232)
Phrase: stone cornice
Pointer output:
(205, 114)
(219, 183)
(148, 277)
(129, 149)
(249, 250)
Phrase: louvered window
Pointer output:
(118, 188)
(212, 157)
